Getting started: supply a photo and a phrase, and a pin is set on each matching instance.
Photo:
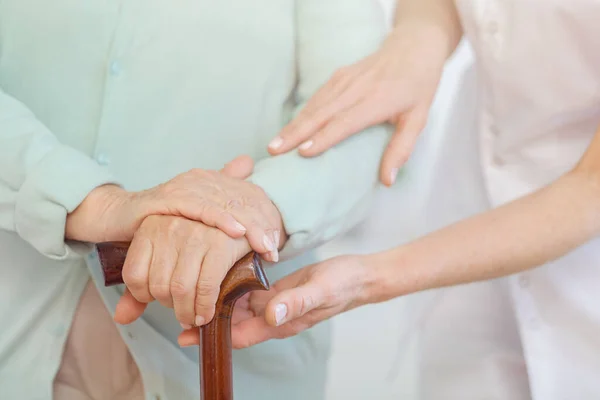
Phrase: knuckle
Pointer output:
(174, 226)
(195, 172)
(160, 290)
(306, 304)
(134, 280)
(206, 290)
(179, 289)
(233, 204)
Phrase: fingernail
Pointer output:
(199, 320)
(268, 243)
(274, 256)
(185, 326)
(280, 313)
(306, 145)
(276, 143)
(393, 176)
(240, 227)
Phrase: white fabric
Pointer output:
(537, 103)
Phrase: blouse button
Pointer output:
(103, 159)
(115, 68)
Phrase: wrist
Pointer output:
(376, 279)
(392, 274)
(100, 217)
(440, 43)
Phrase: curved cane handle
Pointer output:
(215, 337)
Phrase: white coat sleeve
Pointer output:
(41, 180)
(322, 197)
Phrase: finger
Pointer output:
(189, 337)
(213, 215)
(256, 330)
(253, 331)
(162, 266)
(318, 110)
(183, 283)
(262, 237)
(331, 91)
(240, 167)
(128, 309)
(401, 145)
(292, 304)
(242, 309)
(137, 267)
(343, 125)
(213, 270)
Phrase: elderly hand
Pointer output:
(179, 262)
(298, 301)
(218, 199)
(397, 84)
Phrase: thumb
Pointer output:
(240, 167)
(291, 304)
(401, 145)
(128, 309)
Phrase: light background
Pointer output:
(372, 356)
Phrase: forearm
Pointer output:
(439, 18)
(41, 180)
(516, 237)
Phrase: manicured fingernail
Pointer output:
(240, 227)
(393, 175)
(185, 326)
(276, 143)
(280, 313)
(268, 243)
(199, 320)
(306, 145)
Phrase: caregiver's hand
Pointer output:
(397, 84)
(219, 199)
(298, 301)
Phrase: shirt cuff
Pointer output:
(56, 186)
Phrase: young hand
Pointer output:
(297, 302)
(397, 84)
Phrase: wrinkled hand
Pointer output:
(297, 302)
(179, 262)
(223, 200)
(397, 84)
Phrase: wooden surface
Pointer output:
(216, 380)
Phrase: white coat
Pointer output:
(533, 111)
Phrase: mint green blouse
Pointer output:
(134, 92)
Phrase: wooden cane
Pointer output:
(246, 275)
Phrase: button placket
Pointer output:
(103, 159)
(115, 68)
(490, 26)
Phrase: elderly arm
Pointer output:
(60, 200)
(41, 180)
(321, 197)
